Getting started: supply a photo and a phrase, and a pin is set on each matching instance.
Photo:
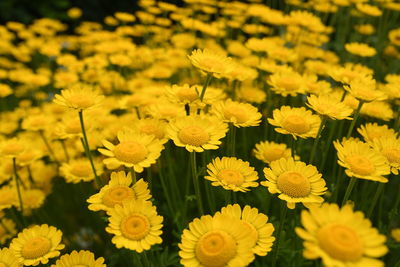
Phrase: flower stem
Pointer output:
(355, 117)
(348, 190)
(378, 193)
(314, 147)
(51, 152)
(17, 180)
(278, 234)
(293, 147)
(146, 261)
(30, 177)
(65, 149)
(206, 84)
(133, 174)
(87, 150)
(232, 140)
(196, 181)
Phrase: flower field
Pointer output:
(203, 134)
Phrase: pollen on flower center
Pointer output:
(135, 226)
(273, 154)
(294, 184)
(296, 124)
(237, 113)
(130, 152)
(81, 169)
(231, 177)
(188, 94)
(360, 165)
(81, 101)
(216, 248)
(193, 135)
(392, 154)
(340, 242)
(117, 195)
(36, 247)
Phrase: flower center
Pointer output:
(135, 226)
(193, 135)
(117, 195)
(215, 248)
(294, 184)
(296, 124)
(130, 152)
(188, 94)
(360, 165)
(231, 177)
(13, 149)
(392, 154)
(81, 101)
(36, 247)
(273, 154)
(152, 130)
(340, 242)
(210, 65)
(81, 169)
(236, 113)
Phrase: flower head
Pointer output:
(360, 49)
(79, 97)
(331, 107)
(210, 62)
(8, 258)
(79, 170)
(240, 114)
(270, 151)
(390, 148)
(81, 258)
(371, 131)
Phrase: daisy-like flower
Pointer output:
(152, 126)
(326, 105)
(8, 258)
(197, 133)
(390, 148)
(216, 241)
(286, 83)
(183, 94)
(81, 258)
(7, 230)
(361, 161)
(371, 131)
(360, 49)
(232, 174)
(79, 170)
(270, 151)
(37, 244)
(251, 94)
(240, 114)
(261, 230)
(8, 197)
(12, 148)
(395, 233)
(118, 190)
(340, 237)
(298, 122)
(210, 62)
(135, 225)
(135, 150)
(295, 182)
(79, 97)
(365, 90)
(32, 199)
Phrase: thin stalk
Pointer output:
(17, 180)
(30, 177)
(196, 182)
(232, 140)
(146, 261)
(206, 84)
(41, 133)
(86, 146)
(278, 234)
(348, 190)
(314, 147)
(166, 191)
(133, 174)
(62, 141)
(293, 146)
(378, 193)
(328, 144)
(355, 117)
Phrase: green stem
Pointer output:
(348, 190)
(62, 141)
(166, 191)
(206, 84)
(196, 182)
(314, 147)
(355, 117)
(293, 146)
(17, 180)
(48, 146)
(278, 234)
(378, 192)
(30, 177)
(232, 140)
(87, 150)
(327, 146)
(133, 174)
(146, 261)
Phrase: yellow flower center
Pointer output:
(187, 94)
(193, 135)
(216, 248)
(151, 129)
(36, 247)
(231, 177)
(273, 154)
(13, 149)
(81, 101)
(135, 227)
(340, 242)
(293, 184)
(296, 124)
(117, 195)
(392, 155)
(210, 64)
(360, 165)
(130, 152)
(235, 113)
(81, 169)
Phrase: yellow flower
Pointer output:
(395, 233)
(240, 114)
(5, 90)
(270, 151)
(32, 199)
(74, 12)
(340, 236)
(37, 244)
(378, 109)
(154, 127)
(8, 258)
(81, 258)
(7, 231)
(295, 182)
(79, 170)
(118, 190)
(79, 97)
(366, 29)
(197, 133)
(369, 10)
(257, 222)
(12, 148)
(298, 122)
(360, 49)
(394, 36)
(287, 83)
(371, 131)
(329, 106)
(216, 241)
(251, 94)
(390, 148)
(135, 225)
(361, 161)
(232, 174)
(210, 62)
(8, 197)
(135, 150)
(365, 89)
(125, 17)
